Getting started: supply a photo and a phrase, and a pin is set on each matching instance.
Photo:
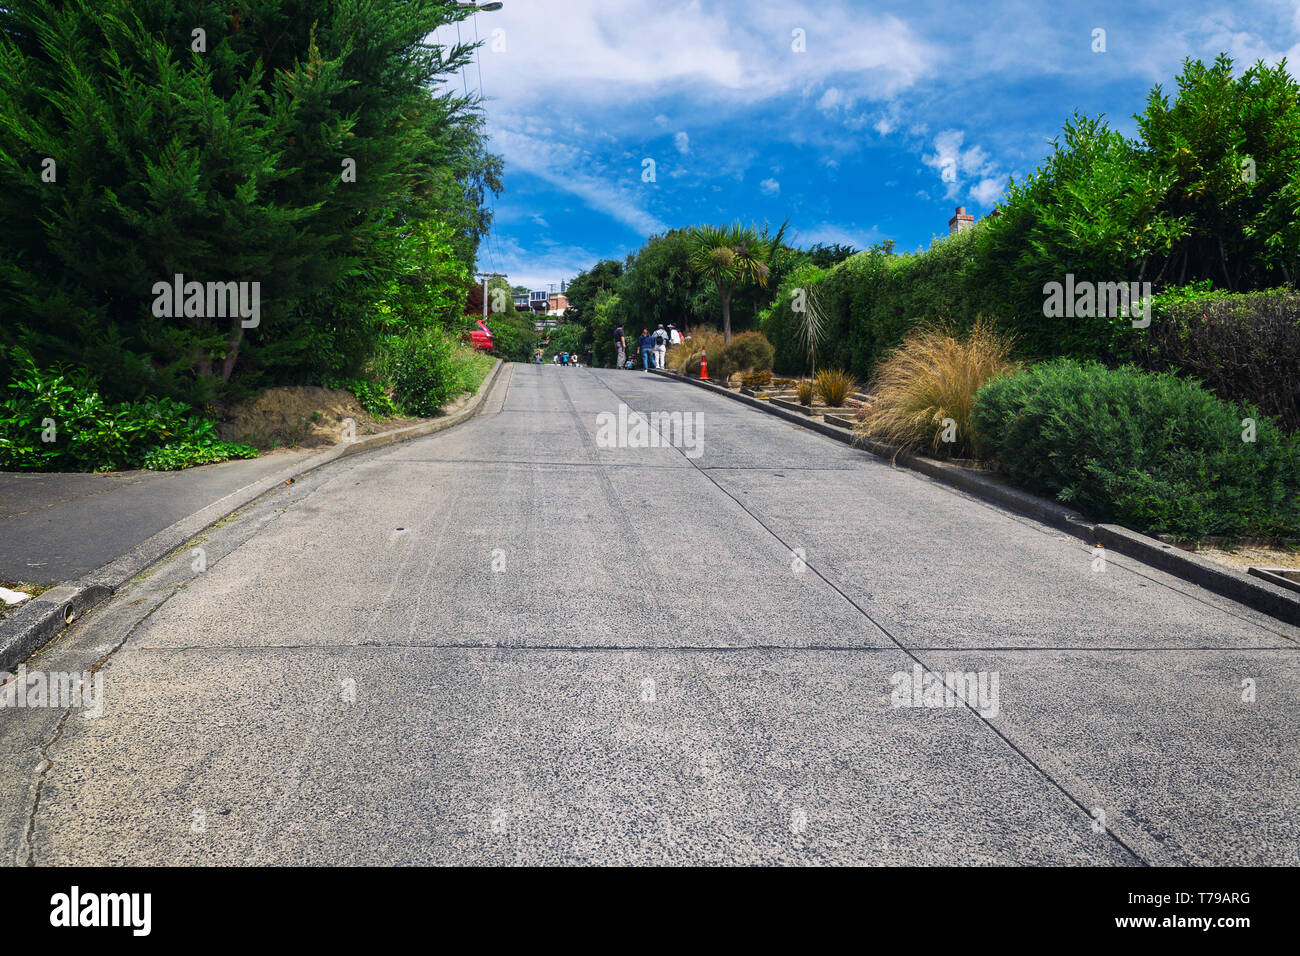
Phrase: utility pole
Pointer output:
(485, 276)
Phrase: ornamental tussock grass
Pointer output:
(685, 356)
(834, 386)
(923, 392)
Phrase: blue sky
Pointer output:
(892, 114)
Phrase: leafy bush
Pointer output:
(86, 434)
(902, 293)
(1090, 210)
(805, 391)
(931, 377)
(1245, 347)
(870, 301)
(422, 367)
(747, 351)
(606, 314)
(201, 446)
(834, 386)
(372, 396)
(1152, 451)
(757, 379)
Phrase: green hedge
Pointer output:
(1245, 347)
(780, 324)
(1151, 451)
(873, 299)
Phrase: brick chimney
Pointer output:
(960, 222)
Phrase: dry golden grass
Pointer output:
(834, 386)
(934, 376)
(685, 356)
(805, 391)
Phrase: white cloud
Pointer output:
(956, 165)
(573, 50)
(987, 191)
(619, 193)
(682, 142)
(769, 187)
(830, 99)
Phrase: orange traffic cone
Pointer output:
(704, 365)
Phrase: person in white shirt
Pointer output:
(674, 337)
(661, 345)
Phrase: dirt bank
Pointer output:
(300, 416)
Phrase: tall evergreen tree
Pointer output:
(293, 143)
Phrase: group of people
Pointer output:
(652, 346)
(561, 358)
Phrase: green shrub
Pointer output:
(1151, 451)
(201, 446)
(567, 338)
(872, 300)
(757, 379)
(86, 434)
(747, 351)
(422, 366)
(805, 391)
(372, 396)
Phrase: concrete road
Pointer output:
(510, 643)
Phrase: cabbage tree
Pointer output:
(731, 256)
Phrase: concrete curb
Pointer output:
(29, 628)
(1254, 592)
(1238, 586)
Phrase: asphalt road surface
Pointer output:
(58, 526)
(510, 643)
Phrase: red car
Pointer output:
(481, 338)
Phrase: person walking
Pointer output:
(620, 343)
(674, 337)
(661, 345)
(645, 345)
